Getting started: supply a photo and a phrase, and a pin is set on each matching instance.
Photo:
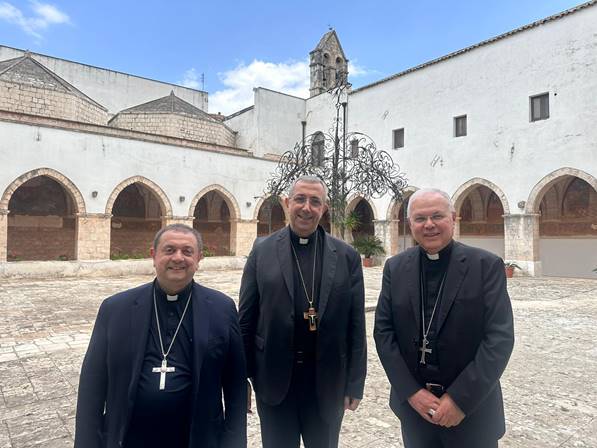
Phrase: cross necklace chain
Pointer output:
(164, 369)
(424, 349)
(310, 315)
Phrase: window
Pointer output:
(317, 149)
(398, 138)
(354, 148)
(460, 126)
(539, 107)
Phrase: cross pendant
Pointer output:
(311, 316)
(424, 350)
(163, 370)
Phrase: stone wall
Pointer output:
(216, 237)
(41, 238)
(131, 237)
(93, 237)
(50, 103)
(179, 125)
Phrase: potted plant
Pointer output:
(510, 266)
(368, 246)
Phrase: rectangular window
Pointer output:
(539, 107)
(460, 126)
(398, 138)
(354, 148)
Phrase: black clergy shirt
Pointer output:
(432, 273)
(161, 418)
(304, 339)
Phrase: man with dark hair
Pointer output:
(444, 333)
(160, 358)
(303, 325)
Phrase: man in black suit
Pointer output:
(444, 333)
(303, 325)
(159, 359)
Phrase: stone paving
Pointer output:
(549, 385)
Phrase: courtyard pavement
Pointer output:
(549, 385)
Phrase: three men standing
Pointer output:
(160, 358)
(444, 333)
(303, 326)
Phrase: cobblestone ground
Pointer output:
(549, 385)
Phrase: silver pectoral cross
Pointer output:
(163, 370)
(424, 350)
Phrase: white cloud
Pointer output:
(44, 15)
(355, 70)
(190, 79)
(291, 78)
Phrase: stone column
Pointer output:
(93, 236)
(521, 240)
(382, 231)
(394, 231)
(457, 228)
(242, 235)
(3, 234)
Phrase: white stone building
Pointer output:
(94, 161)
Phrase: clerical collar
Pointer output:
(300, 240)
(162, 295)
(445, 252)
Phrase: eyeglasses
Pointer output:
(435, 218)
(315, 202)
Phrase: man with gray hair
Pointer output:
(303, 324)
(444, 333)
(160, 358)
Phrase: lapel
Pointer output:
(201, 307)
(413, 283)
(140, 319)
(328, 272)
(285, 260)
(457, 269)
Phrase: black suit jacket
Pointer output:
(266, 313)
(112, 365)
(475, 328)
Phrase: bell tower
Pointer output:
(328, 64)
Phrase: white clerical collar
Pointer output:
(303, 241)
(432, 256)
(170, 298)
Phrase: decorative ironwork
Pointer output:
(349, 163)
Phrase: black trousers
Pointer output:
(418, 433)
(298, 415)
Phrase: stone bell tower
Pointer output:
(328, 64)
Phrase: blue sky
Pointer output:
(241, 44)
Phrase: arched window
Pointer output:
(318, 149)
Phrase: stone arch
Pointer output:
(265, 227)
(400, 237)
(564, 206)
(395, 205)
(462, 192)
(480, 207)
(153, 187)
(137, 208)
(354, 200)
(39, 213)
(215, 214)
(534, 200)
(227, 196)
(366, 227)
(68, 185)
